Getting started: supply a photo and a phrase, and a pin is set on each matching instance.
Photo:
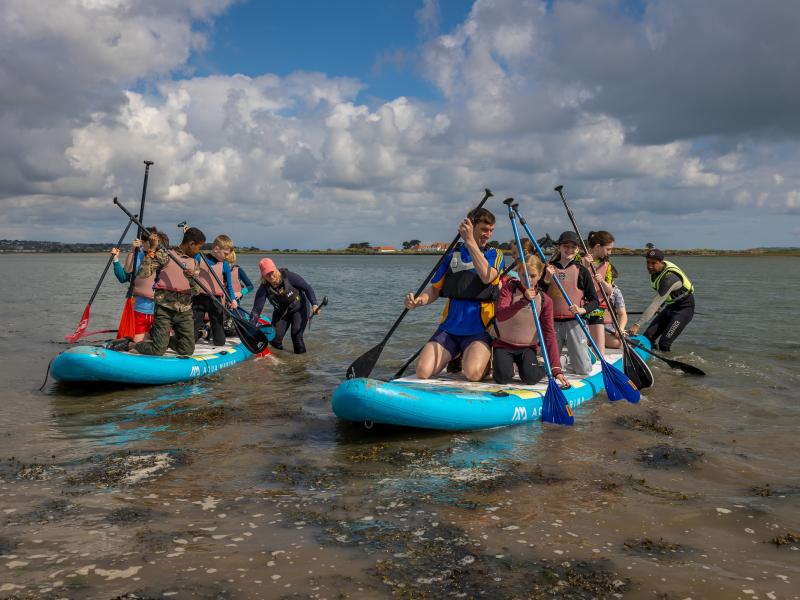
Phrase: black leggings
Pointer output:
(503, 361)
(669, 324)
(297, 321)
(202, 304)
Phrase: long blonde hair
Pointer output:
(232, 257)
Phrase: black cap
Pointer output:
(654, 254)
(569, 236)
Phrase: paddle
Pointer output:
(555, 407)
(319, 307)
(617, 385)
(84, 322)
(675, 364)
(414, 356)
(633, 364)
(363, 365)
(252, 337)
(127, 322)
(263, 328)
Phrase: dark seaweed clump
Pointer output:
(649, 547)
(650, 422)
(123, 516)
(785, 539)
(665, 455)
(49, 511)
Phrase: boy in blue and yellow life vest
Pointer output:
(675, 291)
(468, 277)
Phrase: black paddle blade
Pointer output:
(363, 365)
(618, 386)
(673, 364)
(252, 337)
(636, 369)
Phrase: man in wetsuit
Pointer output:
(675, 291)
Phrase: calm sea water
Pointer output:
(245, 485)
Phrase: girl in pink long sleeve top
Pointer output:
(517, 342)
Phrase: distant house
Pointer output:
(384, 249)
(433, 247)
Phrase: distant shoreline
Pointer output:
(755, 253)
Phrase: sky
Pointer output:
(313, 124)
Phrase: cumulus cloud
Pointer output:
(649, 119)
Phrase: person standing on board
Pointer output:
(675, 291)
(290, 295)
(469, 279)
(203, 304)
(601, 243)
(143, 304)
(578, 283)
(174, 287)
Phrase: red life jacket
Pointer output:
(520, 330)
(171, 277)
(569, 280)
(208, 280)
(235, 283)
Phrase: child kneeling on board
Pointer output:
(517, 342)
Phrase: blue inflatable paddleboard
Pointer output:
(450, 402)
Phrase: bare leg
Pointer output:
(433, 359)
(476, 359)
(612, 341)
(599, 336)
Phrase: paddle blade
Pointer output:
(636, 369)
(252, 337)
(363, 365)
(618, 386)
(78, 333)
(127, 322)
(555, 407)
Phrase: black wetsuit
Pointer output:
(292, 304)
(674, 317)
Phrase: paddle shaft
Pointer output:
(141, 230)
(540, 252)
(512, 215)
(560, 190)
(108, 263)
(351, 372)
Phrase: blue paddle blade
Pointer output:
(555, 407)
(618, 386)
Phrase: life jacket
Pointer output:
(462, 282)
(686, 288)
(287, 298)
(569, 281)
(235, 283)
(208, 280)
(520, 330)
(171, 276)
(142, 286)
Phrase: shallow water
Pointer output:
(245, 485)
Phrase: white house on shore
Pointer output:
(386, 249)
